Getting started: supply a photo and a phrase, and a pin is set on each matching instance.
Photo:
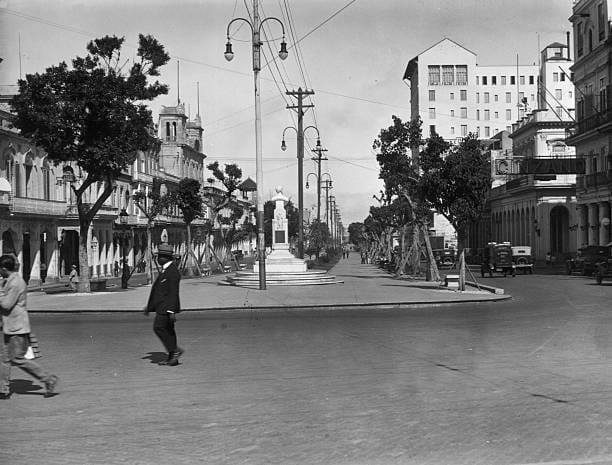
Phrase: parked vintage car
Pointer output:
(522, 259)
(498, 258)
(586, 259)
(603, 268)
(445, 257)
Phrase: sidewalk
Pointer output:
(363, 285)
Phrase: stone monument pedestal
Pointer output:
(280, 259)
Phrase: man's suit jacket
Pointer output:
(165, 292)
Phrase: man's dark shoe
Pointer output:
(50, 385)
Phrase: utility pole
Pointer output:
(327, 187)
(319, 151)
(300, 144)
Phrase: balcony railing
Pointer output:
(594, 180)
(590, 122)
(38, 206)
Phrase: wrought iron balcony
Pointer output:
(37, 206)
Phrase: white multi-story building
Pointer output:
(592, 134)
(454, 96)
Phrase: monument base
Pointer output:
(282, 261)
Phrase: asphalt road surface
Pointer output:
(525, 381)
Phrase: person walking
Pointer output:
(16, 330)
(73, 278)
(165, 303)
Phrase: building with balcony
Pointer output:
(38, 216)
(592, 133)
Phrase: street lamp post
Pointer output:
(327, 187)
(300, 157)
(229, 55)
(123, 221)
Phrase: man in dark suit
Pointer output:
(164, 301)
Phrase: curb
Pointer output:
(329, 307)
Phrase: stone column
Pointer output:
(593, 238)
(582, 220)
(604, 223)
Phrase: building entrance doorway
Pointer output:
(69, 251)
(559, 230)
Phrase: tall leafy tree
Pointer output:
(455, 181)
(224, 206)
(189, 200)
(151, 204)
(318, 237)
(93, 115)
(399, 169)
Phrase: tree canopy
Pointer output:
(93, 115)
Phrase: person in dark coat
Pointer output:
(164, 302)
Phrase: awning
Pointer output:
(5, 186)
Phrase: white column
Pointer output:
(604, 231)
(592, 220)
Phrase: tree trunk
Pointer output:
(433, 274)
(189, 268)
(149, 254)
(84, 274)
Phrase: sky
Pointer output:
(351, 53)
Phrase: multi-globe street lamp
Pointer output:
(300, 157)
(229, 55)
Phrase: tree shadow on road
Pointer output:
(156, 357)
(26, 386)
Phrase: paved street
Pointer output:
(519, 381)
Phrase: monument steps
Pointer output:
(305, 278)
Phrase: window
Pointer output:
(590, 40)
(434, 75)
(559, 111)
(462, 75)
(579, 39)
(432, 95)
(522, 80)
(448, 75)
(531, 81)
(558, 94)
(487, 115)
(486, 97)
(487, 131)
(432, 113)
(512, 80)
(452, 113)
(477, 97)
(532, 96)
(521, 96)
(570, 95)
(477, 80)
(508, 114)
(464, 112)
(464, 130)
(452, 96)
(509, 128)
(478, 114)
(496, 98)
(496, 115)
(493, 80)
(555, 77)
(503, 80)
(508, 97)
(432, 129)
(452, 130)
(463, 95)
(484, 80)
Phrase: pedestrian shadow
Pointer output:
(155, 357)
(26, 386)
